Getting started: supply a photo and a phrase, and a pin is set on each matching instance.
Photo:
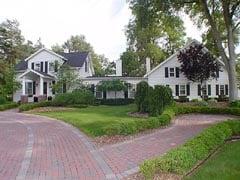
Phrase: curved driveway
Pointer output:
(34, 147)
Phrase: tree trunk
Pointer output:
(233, 89)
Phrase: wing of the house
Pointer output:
(168, 73)
(37, 73)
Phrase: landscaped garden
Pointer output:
(225, 164)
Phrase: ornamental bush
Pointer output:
(182, 159)
(76, 97)
(153, 100)
(142, 96)
(2, 100)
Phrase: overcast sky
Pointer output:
(54, 21)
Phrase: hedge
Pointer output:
(116, 101)
(30, 106)
(8, 106)
(138, 125)
(182, 159)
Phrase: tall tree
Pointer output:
(222, 19)
(153, 34)
(11, 41)
(130, 64)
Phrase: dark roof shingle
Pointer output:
(22, 65)
(75, 59)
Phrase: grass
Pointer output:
(222, 166)
(93, 119)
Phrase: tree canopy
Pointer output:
(197, 64)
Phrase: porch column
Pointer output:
(41, 86)
(23, 86)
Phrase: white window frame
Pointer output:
(37, 66)
(185, 90)
(172, 73)
(51, 67)
(222, 85)
(27, 88)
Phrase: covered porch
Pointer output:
(36, 86)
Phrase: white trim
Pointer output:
(194, 41)
(31, 70)
(49, 51)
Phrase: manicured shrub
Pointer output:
(235, 104)
(141, 96)
(2, 100)
(8, 106)
(116, 101)
(30, 106)
(180, 160)
(76, 97)
(159, 98)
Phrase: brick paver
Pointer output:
(35, 147)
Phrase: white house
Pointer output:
(37, 73)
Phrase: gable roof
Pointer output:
(41, 74)
(44, 49)
(75, 59)
(190, 43)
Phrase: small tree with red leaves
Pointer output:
(198, 65)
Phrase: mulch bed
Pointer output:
(49, 109)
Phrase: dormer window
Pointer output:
(51, 67)
(171, 72)
(38, 67)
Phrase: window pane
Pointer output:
(182, 90)
(221, 89)
(171, 72)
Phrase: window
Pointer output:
(167, 85)
(222, 90)
(29, 88)
(171, 72)
(56, 66)
(204, 90)
(33, 66)
(38, 67)
(182, 91)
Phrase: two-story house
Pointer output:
(37, 73)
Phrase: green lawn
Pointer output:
(225, 165)
(92, 120)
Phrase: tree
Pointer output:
(153, 34)
(8, 82)
(10, 42)
(112, 85)
(57, 48)
(198, 65)
(130, 64)
(222, 19)
(67, 79)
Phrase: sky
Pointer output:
(54, 21)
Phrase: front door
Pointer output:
(45, 88)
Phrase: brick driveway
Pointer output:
(34, 147)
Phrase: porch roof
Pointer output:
(39, 73)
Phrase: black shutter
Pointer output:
(104, 95)
(33, 66)
(217, 89)
(53, 90)
(41, 68)
(166, 72)
(226, 89)
(46, 67)
(34, 87)
(177, 72)
(209, 90)
(217, 73)
(199, 89)
(177, 90)
(188, 89)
